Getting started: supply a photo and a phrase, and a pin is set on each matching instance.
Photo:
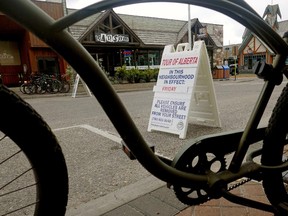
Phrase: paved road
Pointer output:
(90, 143)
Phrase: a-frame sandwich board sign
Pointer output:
(76, 84)
(184, 92)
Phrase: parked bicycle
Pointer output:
(190, 172)
(65, 84)
(44, 83)
(28, 88)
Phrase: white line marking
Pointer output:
(98, 131)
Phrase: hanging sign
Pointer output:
(184, 91)
(111, 38)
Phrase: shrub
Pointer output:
(151, 74)
(130, 75)
(139, 75)
(70, 74)
(121, 73)
(156, 74)
(135, 75)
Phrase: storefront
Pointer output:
(111, 58)
(23, 54)
(112, 39)
(115, 40)
(253, 50)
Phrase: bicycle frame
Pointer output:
(55, 35)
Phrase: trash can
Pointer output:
(226, 72)
(218, 72)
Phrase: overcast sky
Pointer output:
(232, 30)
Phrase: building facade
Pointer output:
(112, 39)
(254, 49)
(23, 54)
(115, 40)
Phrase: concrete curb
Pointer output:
(128, 87)
(117, 198)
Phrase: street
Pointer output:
(96, 163)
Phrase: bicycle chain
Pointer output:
(242, 182)
(207, 198)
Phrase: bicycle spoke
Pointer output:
(18, 186)
(19, 209)
(17, 177)
(13, 155)
(23, 207)
(2, 138)
(17, 190)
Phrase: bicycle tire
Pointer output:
(53, 86)
(40, 88)
(65, 86)
(30, 88)
(22, 88)
(38, 145)
(273, 154)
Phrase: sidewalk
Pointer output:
(139, 200)
(163, 202)
(123, 87)
(81, 91)
(222, 207)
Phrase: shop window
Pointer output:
(128, 57)
(154, 58)
(151, 58)
(48, 66)
(250, 60)
(142, 59)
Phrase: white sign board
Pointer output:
(184, 91)
(75, 87)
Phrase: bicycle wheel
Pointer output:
(65, 86)
(30, 88)
(22, 88)
(33, 171)
(275, 152)
(53, 86)
(40, 88)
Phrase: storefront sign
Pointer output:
(111, 38)
(9, 53)
(127, 53)
(184, 91)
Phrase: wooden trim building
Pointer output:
(112, 39)
(254, 49)
(115, 40)
(23, 54)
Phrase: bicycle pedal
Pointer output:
(129, 153)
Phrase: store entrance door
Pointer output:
(108, 61)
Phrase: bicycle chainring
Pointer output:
(197, 161)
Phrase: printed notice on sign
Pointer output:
(176, 77)
(169, 113)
